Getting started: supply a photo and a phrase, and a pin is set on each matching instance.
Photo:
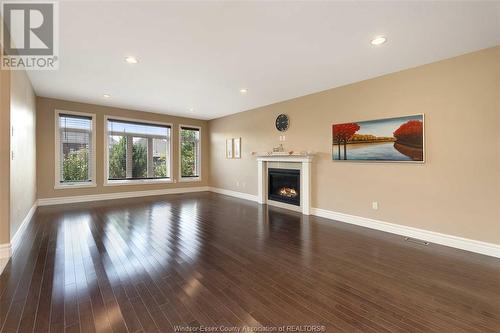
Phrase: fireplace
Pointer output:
(303, 199)
(284, 185)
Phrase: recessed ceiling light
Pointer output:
(191, 109)
(379, 40)
(106, 95)
(243, 90)
(131, 60)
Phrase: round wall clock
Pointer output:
(282, 122)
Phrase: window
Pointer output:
(137, 151)
(189, 138)
(75, 150)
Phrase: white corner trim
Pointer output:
(235, 194)
(118, 195)
(5, 251)
(16, 240)
(466, 244)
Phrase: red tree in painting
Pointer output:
(410, 133)
(342, 133)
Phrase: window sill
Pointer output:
(73, 185)
(189, 179)
(137, 182)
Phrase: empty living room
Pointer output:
(249, 166)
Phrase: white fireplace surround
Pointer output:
(305, 179)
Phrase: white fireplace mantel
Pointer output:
(305, 178)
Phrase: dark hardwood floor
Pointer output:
(203, 259)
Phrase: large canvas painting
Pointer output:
(398, 139)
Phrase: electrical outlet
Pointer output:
(237, 183)
(244, 184)
(375, 205)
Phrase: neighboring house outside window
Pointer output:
(137, 151)
(75, 149)
(190, 153)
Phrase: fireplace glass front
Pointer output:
(284, 185)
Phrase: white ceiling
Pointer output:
(199, 54)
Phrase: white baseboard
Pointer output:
(235, 194)
(15, 241)
(471, 245)
(5, 251)
(117, 195)
(3, 263)
(466, 244)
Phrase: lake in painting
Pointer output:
(391, 139)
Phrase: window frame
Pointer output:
(121, 182)
(189, 179)
(57, 152)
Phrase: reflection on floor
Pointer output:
(204, 259)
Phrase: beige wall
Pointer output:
(457, 190)
(23, 145)
(4, 156)
(45, 148)
(17, 150)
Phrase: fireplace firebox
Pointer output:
(284, 185)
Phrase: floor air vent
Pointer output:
(416, 241)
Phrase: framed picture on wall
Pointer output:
(229, 148)
(237, 147)
(399, 139)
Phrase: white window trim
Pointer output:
(58, 185)
(189, 179)
(108, 182)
